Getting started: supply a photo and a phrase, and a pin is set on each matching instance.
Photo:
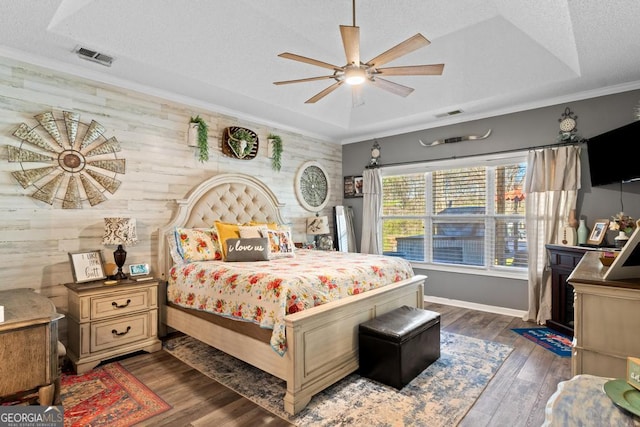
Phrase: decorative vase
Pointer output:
(621, 239)
(573, 221)
(583, 233)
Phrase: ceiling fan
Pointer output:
(355, 73)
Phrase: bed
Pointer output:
(321, 342)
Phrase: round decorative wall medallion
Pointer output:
(80, 163)
(312, 186)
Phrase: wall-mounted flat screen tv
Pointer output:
(612, 157)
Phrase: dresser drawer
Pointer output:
(119, 304)
(123, 330)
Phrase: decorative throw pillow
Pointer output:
(198, 244)
(251, 231)
(173, 249)
(247, 249)
(269, 225)
(280, 243)
(226, 231)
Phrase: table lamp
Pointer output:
(119, 231)
(317, 225)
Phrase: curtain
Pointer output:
(551, 187)
(371, 212)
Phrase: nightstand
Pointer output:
(106, 321)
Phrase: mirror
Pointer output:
(345, 236)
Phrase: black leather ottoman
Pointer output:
(396, 346)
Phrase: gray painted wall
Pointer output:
(511, 131)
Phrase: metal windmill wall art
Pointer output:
(67, 161)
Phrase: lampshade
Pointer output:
(119, 231)
(318, 225)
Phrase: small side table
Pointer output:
(581, 401)
(107, 321)
(29, 346)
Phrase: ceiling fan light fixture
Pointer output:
(355, 75)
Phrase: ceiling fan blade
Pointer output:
(311, 61)
(407, 46)
(317, 97)
(392, 87)
(412, 70)
(309, 79)
(351, 42)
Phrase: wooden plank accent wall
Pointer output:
(35, 238)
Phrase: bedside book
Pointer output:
(141, 278)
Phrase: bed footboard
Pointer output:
(323, 341)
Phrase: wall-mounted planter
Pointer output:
(192, 135)
(202, 137)
(274, 151)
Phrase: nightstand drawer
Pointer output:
(119, 304)
(123, 330)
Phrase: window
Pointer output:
(467, 213)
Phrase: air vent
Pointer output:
(449, 113)
(94, 56)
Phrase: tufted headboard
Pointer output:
(230, 197)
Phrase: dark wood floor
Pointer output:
(516, 396)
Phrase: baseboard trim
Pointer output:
(475, 306)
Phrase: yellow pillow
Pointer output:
(226, 231)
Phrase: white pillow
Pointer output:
(251, 231)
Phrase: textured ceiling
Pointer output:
(500, 56)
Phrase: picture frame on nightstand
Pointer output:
(87, 266)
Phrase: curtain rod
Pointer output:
(513, 150)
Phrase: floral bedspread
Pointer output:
(264, 292)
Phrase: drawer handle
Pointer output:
(114, 332)
(115, 304)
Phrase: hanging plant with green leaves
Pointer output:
(203, 142)
(276, 151)
(242, 142)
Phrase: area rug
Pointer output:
(551, 340)
(440, 396)
(107, 396)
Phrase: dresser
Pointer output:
(29, 346)
(107, 321)
(607, 320)
(562, 261)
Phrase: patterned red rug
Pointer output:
(108, 396)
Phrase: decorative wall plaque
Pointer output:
(240, 143)
(67, 161)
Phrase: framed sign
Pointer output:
(598, 232)
(353, 186)
(87, 266)
(358, 184)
